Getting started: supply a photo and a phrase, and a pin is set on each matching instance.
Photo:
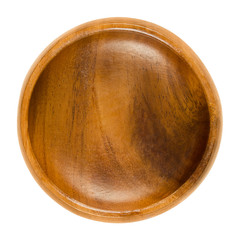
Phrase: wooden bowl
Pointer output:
(119, 120)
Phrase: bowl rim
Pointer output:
(183, 51)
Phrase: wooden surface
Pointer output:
(119, 120)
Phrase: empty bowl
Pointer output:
(119, 120)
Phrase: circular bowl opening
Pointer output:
(116, 123)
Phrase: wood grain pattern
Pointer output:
(119, 120)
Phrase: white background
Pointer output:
(211, 28)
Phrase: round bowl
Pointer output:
(119, 120)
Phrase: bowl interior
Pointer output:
(118, 121)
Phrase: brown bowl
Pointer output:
(119, 120)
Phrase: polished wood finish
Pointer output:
(119, 120)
